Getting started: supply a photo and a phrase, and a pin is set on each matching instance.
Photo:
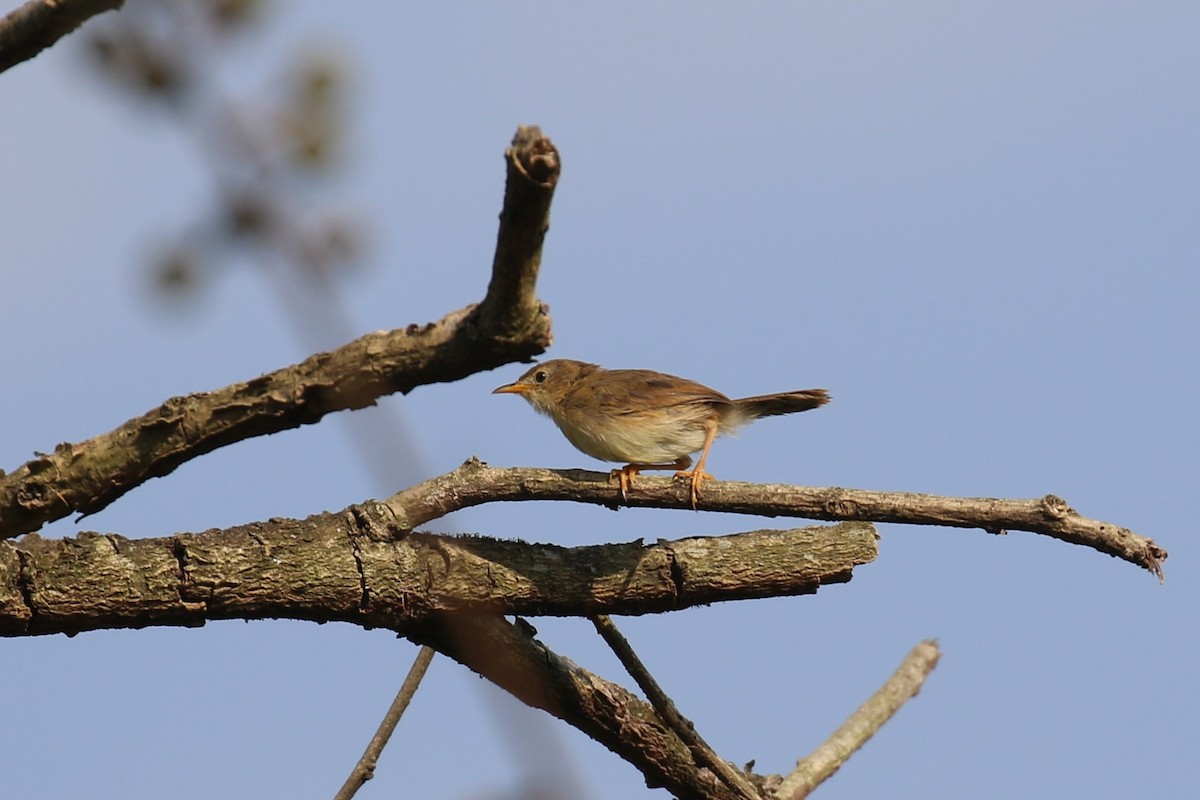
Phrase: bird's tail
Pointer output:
(768, 405)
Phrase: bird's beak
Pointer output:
(512, 388)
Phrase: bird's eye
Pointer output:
(539, 376)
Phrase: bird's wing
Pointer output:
(632, 391)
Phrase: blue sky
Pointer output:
(975, 224)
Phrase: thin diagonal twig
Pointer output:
(509, 655)
(683, 727)
(827, 759)
(364, 770)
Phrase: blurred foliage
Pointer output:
(267, 152)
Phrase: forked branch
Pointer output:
(87, 476)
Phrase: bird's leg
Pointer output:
(625, 474)
(697, 474)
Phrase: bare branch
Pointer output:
(87, 476)
(533, 169)
(356, 567)
(665, 707)
(862, 724)
(38, 24)
(510, 657)
(474, 483)
(364, 770)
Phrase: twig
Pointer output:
(364, 770)
(683, 727)
(509, 656)
(38, 24)
(474, 483)
(904, 684)
(89, 475)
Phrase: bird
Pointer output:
(647, 419)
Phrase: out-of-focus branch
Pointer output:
(87, 476)
(474, 483)
(904, 684)
(38, 24)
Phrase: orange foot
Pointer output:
(624, 477)
(625, 474)
(697, 477)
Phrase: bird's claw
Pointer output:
(695, 478)
(624, 477)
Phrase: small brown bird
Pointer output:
(647, 419)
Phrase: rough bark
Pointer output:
(355, 566)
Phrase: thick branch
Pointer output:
(38, 24)
(429, 588)
(89, 475)
(357, 567)
(533, 169)
(474, 483)
(904, 684)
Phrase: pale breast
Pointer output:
(657, 436)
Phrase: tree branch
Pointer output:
(364, 770)
(356, 566)
(862, 724)
(38, 24)
(533, 169)
(665, 707)
(87, 476)
(509, 656)
(474, 483)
